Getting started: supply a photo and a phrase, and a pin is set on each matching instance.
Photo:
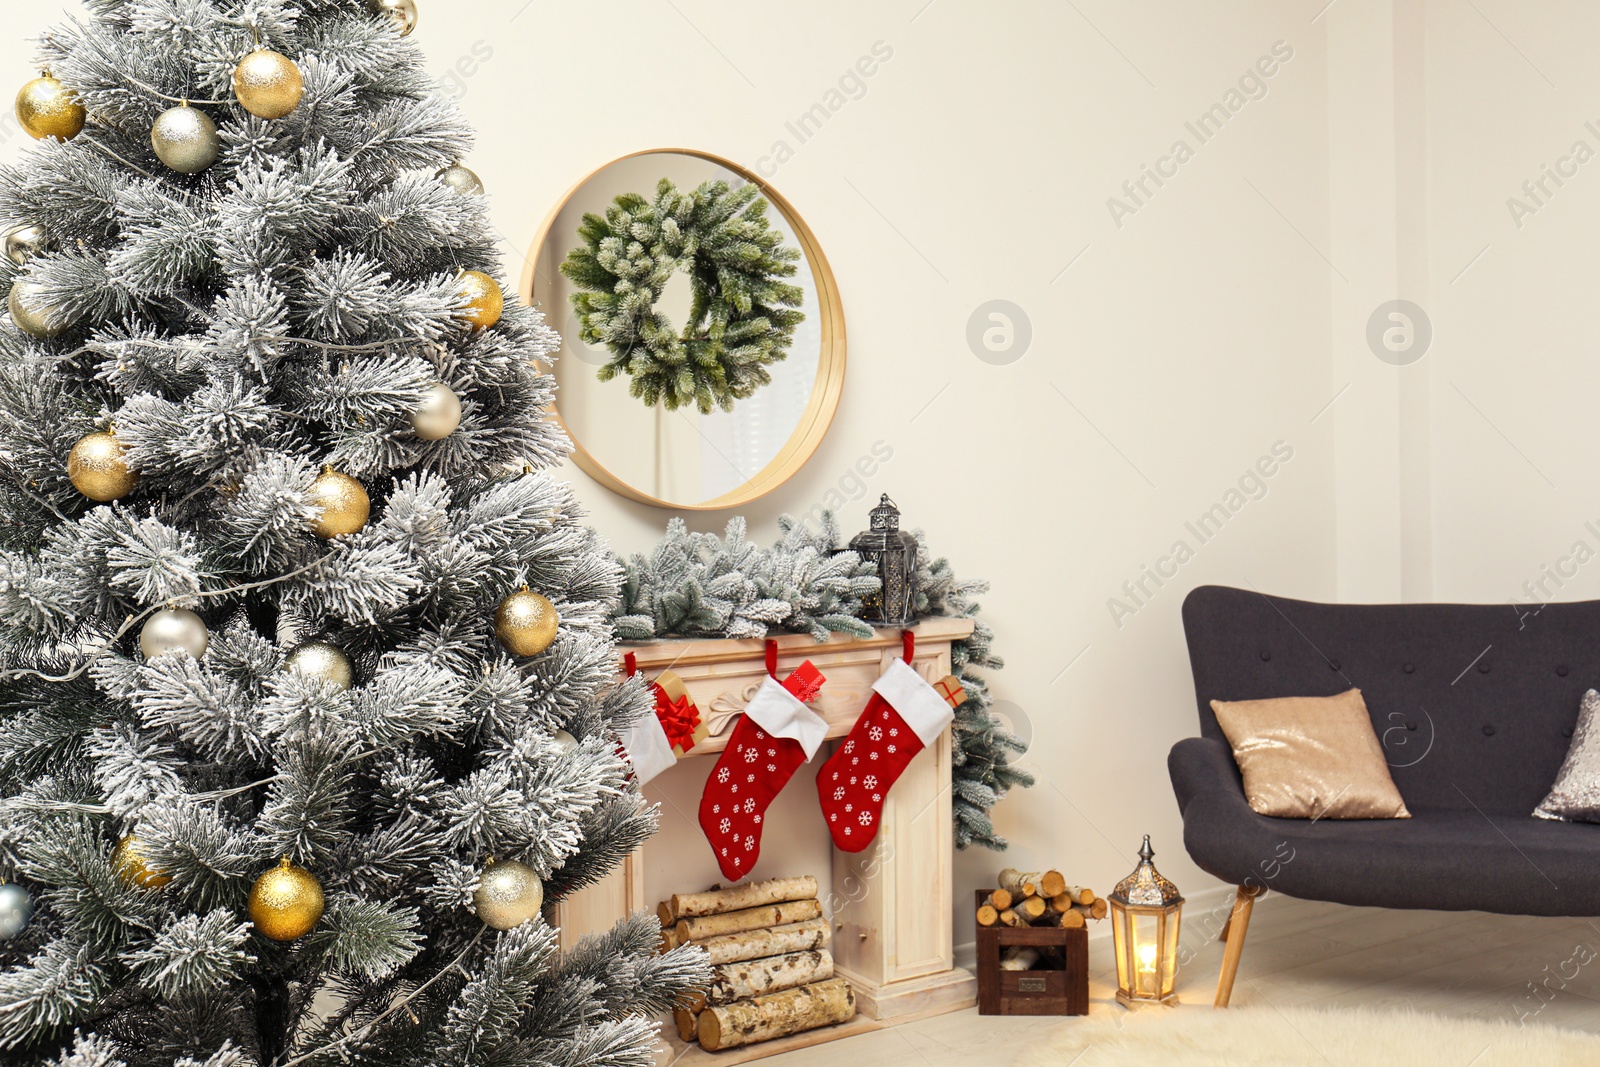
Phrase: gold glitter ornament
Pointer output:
(268, 84)
(344, 503)
(46, 108)
(459, 178)
(439, 414)
(29, 313)
(322, 661)
(25, 242)
(185, 139)
(509, 894)
(128, 860)
(286, 902)
(402, 14)
(485, 302)
(98, 467)
(174, 630)
(526, 623)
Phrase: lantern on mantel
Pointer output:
(895, 553)
(1145, 910)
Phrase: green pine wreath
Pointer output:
(741, 318)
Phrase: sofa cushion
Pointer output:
(1576, 795)
(1310, 757)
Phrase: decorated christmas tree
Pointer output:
(307, 673)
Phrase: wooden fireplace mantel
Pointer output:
(891, 905)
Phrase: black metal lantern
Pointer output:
(895, 553)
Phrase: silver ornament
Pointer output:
(174, 630)
(16, 911)
(402, 14)
(565, 740)
(439, 414)
(320, 660)
(185, 139)
(459, 178)
(509, 894)
(25, 242)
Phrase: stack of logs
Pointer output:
(772, 973)
(1039, 899)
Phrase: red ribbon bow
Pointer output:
(679, 718)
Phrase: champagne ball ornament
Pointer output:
(29, 311)
(439, 415)
(25, 242)
(268, 84)
(286, 902)
(526, 623)
(174, 630)
(46, 108)
(344, 503)
(98, 467)
(128, 860)
(485, 302)
(322, 661)
(459, 178)
(509, 894)
(185, 139)
(16, 910)
(565, 740)
(402, 14)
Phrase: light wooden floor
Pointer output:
(1305, 954)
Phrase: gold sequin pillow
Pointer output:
(1310, 757)
(1576, 795)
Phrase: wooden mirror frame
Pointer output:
(825, 393)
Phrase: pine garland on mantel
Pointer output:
(702, 585)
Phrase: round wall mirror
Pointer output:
(665, 449)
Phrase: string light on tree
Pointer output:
(32, 314)
(25, 242)
(322, 661)
(439, 414)
(286, 902)
(185, 139)
(485, 302)
(462, 180)
(16, 910)
(268, 84)
(46, 108)
(134, 868)
(98, 467)
(174, 630)
(344, 503)
(508, 894)
(402, 14)
(526, 623)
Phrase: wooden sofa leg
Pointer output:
(1233, 934)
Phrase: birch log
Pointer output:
(753, 944)
(688, 1024)
(775, 1015)
(756, 978)
(717, 901)
(733, 922)
(1051, 883)
(1096, 910)
(1032, 909)
(1021, 958)
(1019, 885)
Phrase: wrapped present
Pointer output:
(949, 687)
(685, 727)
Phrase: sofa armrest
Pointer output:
(1200, 765)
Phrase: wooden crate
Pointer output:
(1061, 990)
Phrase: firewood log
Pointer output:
(1020, 958)
(988, 915)
(1080, 894)
(745, 1022)
(664, 913)
(774, 941)
(1001, 899)
(1051, 883)
(737, 898)
(1096, 910)
(755, 978)
(688, 1024)
(1032, 909)
(1071, 919)
(732, 922)
(1010, 918)
(1016, 883)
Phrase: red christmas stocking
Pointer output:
(774, 736)
(904, 716)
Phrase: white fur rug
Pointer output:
(1264, 1037)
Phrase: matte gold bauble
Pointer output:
(128, 860)
(286, 902)
(438, 415)
(25, 242)
(509, 894)
(344, 503)
(185, 139)
(402, 13)
(174, 630)
(526, 623)
(565, 741)
(268, 84)
(322, 661)
(485, 302)
(459, 178)
(29, 311)
(98, 468)
(46, 108)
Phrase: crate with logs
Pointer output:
(1033, 945)
(772, 971)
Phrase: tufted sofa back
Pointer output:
(1474, 704)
